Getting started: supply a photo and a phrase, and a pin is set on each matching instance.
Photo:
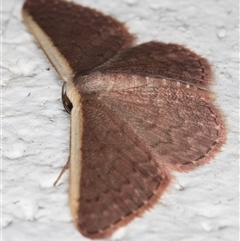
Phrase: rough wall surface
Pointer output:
(200, 205)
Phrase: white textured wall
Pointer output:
(200, 206)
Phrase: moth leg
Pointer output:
(65, 100)
(63, 170)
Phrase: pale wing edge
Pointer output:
(56, 58)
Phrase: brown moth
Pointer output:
(137, 114)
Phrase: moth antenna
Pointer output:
(61, 173)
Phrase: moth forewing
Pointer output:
(53, 54)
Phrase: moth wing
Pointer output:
(114, 175)
(134, 129)
(163, 60)
(177, 121)
(76, 39)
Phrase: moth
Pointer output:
(138, 113)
